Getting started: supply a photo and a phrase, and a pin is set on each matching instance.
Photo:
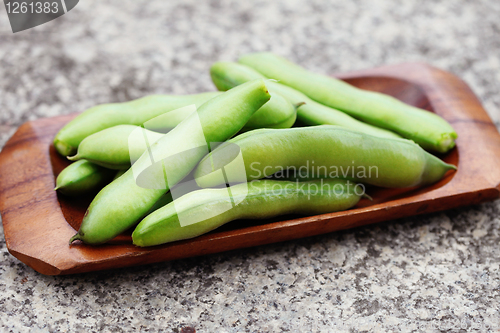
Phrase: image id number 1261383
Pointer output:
(45, 7)
(31, 13)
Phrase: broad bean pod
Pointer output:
(226, 75)
(135, 112)
(323, 152)
(201, 211)
(82, 177)
(427, 129)
(119, 146)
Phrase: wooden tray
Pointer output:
(38, 223)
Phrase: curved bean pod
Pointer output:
(204, 210)
(313, 114)
(277, 113)
(425, 128)
(135, 112)
(229, 74)
(82, 177)
(324, 151)
(113, 147)
(123, 202)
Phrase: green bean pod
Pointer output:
(123, 202)
(201, 211)
(277, 113)
(82, 177)
(323, 152)
(226, 75)
(135, 112)
(425, 128)
(116, 147)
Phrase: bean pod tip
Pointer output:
(64, 148)
(74, 238)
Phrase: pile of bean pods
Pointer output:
(276, 139)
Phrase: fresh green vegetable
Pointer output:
(113, 147)
(135, 112)
(425, 128)
(277, 113)
(322, 151)
(226, 75)
(82, 177)
(201, 211)
(122, 203)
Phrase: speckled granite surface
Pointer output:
(438, 272)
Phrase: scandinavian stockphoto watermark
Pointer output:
(166, 168)
(26, 14)
(312, 171)
(311, 189)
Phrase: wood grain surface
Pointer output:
(38, 222)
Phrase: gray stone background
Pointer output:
(438, 272)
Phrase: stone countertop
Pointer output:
(436, 272)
